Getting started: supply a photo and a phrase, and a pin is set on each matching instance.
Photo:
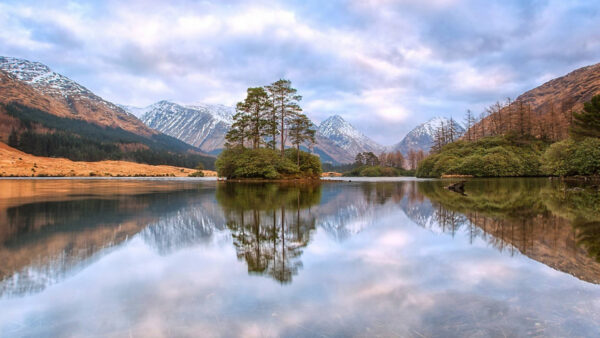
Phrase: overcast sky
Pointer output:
(383, 65)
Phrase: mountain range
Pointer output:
(337, 141)
(47, 114)
(205, 125)
(35, 99)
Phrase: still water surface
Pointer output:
(512, 257)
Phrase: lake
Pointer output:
(371, 257)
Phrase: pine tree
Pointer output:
(13, 139)
(285, 104)
(259, 106)
(587, 122)
(300, 131)
(359, 159)
(251, 121)
(239, 131)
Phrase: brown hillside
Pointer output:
(78, 104)
(84, 106)
(545, 111)
(17, 163)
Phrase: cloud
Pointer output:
(384, 65)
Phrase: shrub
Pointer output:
(264, 163)
(487, 157)
(570, 157)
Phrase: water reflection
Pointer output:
(353, 259)
(270, 224)
(43, 242)
(551, 222)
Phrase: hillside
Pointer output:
(202, 126)
(70, 99)
(544, 111)
(17, 163)
(51, 115)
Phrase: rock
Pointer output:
(458, 187)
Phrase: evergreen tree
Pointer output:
(359, 159)
(285, 105)
(251, 122)
(587, 122)
(300, 131)
(13, 139)
(259, 106)
(239, 131)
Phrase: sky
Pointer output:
(383, 65)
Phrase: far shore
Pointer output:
(15, 163)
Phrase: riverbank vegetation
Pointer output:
(367, 164)
(266, 123)
(520, 153)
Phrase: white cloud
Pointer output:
(383, 64)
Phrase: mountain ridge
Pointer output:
(422, 136)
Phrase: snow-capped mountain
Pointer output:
(201, 125)
(205, 126)
(70, 99)
(345, 136)
(41, 77)
(422, 136)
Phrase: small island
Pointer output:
(265, 139)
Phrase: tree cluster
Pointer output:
(366, 158)
(270, 115)
(444, 134)
(414, 158)
(549, 122)
(393, 159)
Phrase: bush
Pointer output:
(310, 165)
(265, 163)
(487, 157)
(570, 157)
(377, 171)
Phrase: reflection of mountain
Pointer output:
(519, 215)
(52, 229)
(196, 223)
(50, 240)
(344, 213)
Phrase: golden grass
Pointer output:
(19, 164)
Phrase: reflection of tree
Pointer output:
(531, 216)
(381, 192)
(270, 224)
(588, 236)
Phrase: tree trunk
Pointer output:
(298, 154)
(282, 128)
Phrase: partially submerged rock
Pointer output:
(458, 187)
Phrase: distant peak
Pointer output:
(335, 117)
